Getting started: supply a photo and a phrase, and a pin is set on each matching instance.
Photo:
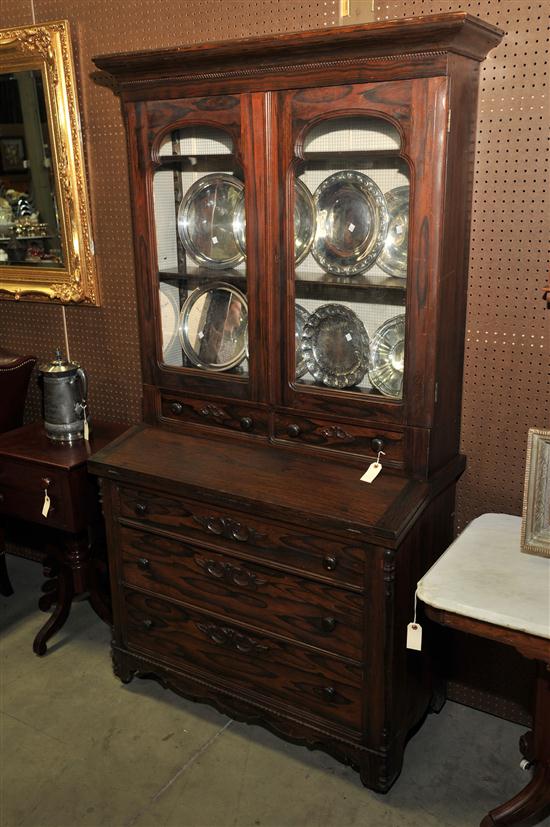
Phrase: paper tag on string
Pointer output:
(47, 503)
(372, 472)
(414, 636)
(86, 431)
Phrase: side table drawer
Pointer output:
(302, 677)
(22, 493)
(283, 545)
(316, 613)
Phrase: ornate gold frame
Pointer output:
(47, 48)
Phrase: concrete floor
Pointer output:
(79, 748)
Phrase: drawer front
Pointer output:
(232, 416)
(239, 533)
(310, 612)
(338, 436)
(22, 493)
(304, 678)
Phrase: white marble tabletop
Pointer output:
(485, 576)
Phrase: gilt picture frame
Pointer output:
(535, 525)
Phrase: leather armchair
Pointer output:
(15, 372)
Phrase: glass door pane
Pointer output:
(351, 256)
(200, 226)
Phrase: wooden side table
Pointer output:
(485, 586)
(31, 465)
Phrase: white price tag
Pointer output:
(86, 431)
(348, 337)
(214, 239)
(372, 472)
(46, 505)
(398, 230)
(351, 227)
(414, 636)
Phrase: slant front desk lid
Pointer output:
(272, 481)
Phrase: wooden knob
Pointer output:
(293, 430)
(328, 624)
(377, 444)
(176, 408)
(1, 498)
(144, 564)
(330, 562)
(141, 508)
(147, 624)
(329, 693)
(247, 423)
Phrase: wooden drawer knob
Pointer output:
(328, 624)
(144, 564)
(176, 408)
(293, 430)
(1, 498)
(247, 423)
(329, 693)
(147, 624)
(141, 509)
(377, 444)
(330, 562)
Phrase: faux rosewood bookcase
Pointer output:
(301, 218)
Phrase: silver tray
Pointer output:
(205, 220)
(304, 222)
(213, 327)
(352, 223)
(387, 352)
(335, 346)
(302, 316)
(393, 258)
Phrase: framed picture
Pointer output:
(535, 526)
(12, 154)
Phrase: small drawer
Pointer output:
(232, 416)
(267, 668)
(285, 546)
(310, 612)
(22, 489)
(341, 436)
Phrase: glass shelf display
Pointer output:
(353, 280)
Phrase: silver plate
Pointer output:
(335, 346)
(213, 327)
(352, 223)
(205, 221)
(393, 258)
(304, 222)
(387, 351)
(302, 316)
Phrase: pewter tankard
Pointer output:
(65, 388)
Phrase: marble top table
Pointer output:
(485, 586)
(484, 575)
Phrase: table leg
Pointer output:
(532, 804)
(64, 599)
(5, 584)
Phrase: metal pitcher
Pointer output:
(65, 389)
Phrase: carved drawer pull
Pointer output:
(232, 639)
(330, 562)
(235, 575)
(141, 509)
(335, 432)
(144, 564)
(328, 624)
(147, 624)
(229, 528)
(212, 411)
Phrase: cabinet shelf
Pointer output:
(308, 284)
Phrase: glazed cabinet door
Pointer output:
(361, 169)
(200, 172)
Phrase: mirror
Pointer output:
(213, 327)
(46, 248)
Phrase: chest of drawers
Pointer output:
(291, 617)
